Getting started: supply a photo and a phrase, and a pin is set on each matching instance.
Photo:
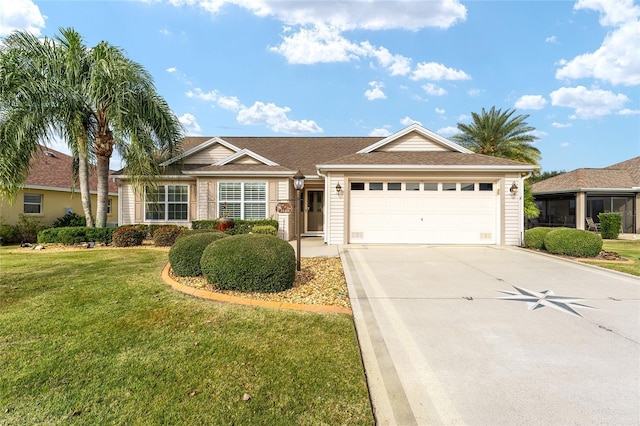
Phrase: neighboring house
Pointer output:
(48, 194)
(411, 187)
(568, 199)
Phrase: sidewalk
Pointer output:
(315, 247)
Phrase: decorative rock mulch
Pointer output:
(320, 281)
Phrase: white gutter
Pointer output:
(422, 167)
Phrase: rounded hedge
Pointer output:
(265, 229)
(573, 242)
(250, 262)
(195, 232)
(128, 236)
(534, 238)
(185, 254)
(165, 236)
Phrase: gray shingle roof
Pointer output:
(624, 175)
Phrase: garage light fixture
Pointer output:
(338, 188)
(514, 188)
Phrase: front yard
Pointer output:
(629, 249)
(96, 337)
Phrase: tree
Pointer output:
(500, 134)
(97, 98)
(540, 176)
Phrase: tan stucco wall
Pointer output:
(54, 205)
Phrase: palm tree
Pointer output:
(97, 99)
(498, 134)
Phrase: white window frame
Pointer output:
(242, 202)
(25, 203)
(166, 204)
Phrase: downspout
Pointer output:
(325, 210)
(522, 179)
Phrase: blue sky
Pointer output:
(357, 68)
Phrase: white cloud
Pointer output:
(275, 118)
(325, 44)
(588, 103)
(440, 111)
(436, 71)
(433, 90)
(23, 15)
(230, 103)
(617, 60)
(564, 144)
(203, 96)
(539, 134)
(190, 124)
(464, 117)
(531, 102)
(171, 70)
(448, 131)
(551, 39)
(375, 15)
(381, 131)
(375, 92)
(561, 125)
(165, 32)
(627, 111)
(475, 92)
(408, 121)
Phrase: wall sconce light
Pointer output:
(514, 189)
(338, 188)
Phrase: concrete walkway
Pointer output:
(494, 336)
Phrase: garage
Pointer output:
(424, 212)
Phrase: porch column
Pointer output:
(581, 210)
(637, 214)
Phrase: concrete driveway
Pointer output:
(494, 335)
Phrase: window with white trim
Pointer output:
(166, 202)
(32, 203)
(242, 200)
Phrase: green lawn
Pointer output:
(96, 337)
(629, 249)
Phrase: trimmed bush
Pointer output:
(6, 233)
(128, 236)
(534, 237)
(185, 254)
(165, 236)
(189, 232)
(75, 235)
(27, 228)
(264, 229)
(240, 226)
(610, 224)
(69, 219)
(253, 262)
(573, 242)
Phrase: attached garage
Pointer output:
(424, 212)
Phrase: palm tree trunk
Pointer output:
(85, 195)
(103, 190)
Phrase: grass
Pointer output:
(95, 337)
(629, 249)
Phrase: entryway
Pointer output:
(314, 223)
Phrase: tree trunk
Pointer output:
(103, 190)
(85, 189)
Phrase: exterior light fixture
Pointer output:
(514, 188)
(298, 184)
(338, 188)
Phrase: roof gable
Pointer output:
(208, 152)
(414, 138)
(245, 156)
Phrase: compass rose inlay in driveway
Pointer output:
(540, 299)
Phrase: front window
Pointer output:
(167, 202)
(33, 203)
(242, 200)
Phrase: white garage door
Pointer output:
(423, 212)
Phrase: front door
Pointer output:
(314, 211)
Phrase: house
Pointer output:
(50, 191)
(568, 199)
(414, 186)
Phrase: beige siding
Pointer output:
(335, 229)
(128, 205)
(285, 220)
(209, 155)
(512, 211)
(246, 160)
(413, 142)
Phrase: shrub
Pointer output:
(26, 231)
(240, 226)
(534, 238)
(610, 225)
(185, 254)
(165, 236)
(128, 236)
(69, 219)
(75, 235)
(254, 262)
(6, 233)
(264, 229)
(573, 242)
(189, 232)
